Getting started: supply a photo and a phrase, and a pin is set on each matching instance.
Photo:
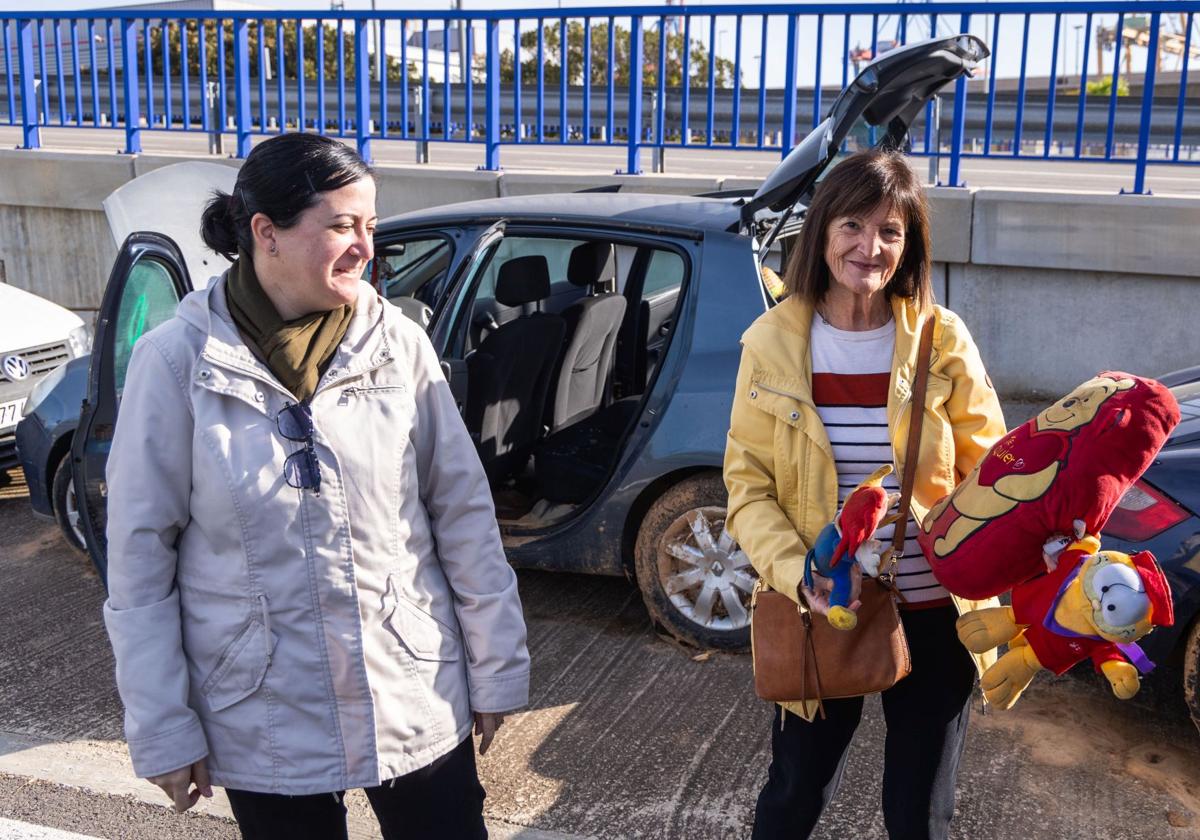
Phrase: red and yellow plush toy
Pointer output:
(1063, 472)
(1093, 604)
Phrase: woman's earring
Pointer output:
(274, 249)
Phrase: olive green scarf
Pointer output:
(298, 351)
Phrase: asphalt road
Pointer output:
(627, 736)
(1065, 175)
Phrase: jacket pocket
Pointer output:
(424, 636)
(241, 668)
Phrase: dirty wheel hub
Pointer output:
(707, 577)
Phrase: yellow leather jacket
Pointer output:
(779, 466)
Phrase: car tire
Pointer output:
(66, 510)
(694, 579)
(1191, 672)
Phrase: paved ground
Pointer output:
(1064, 175)
(627, 736)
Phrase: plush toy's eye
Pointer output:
(1113, 574)
(1069, 403)
(1122, 597)
(1122, 606)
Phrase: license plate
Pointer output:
(10, 413)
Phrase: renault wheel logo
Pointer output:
(15, 368)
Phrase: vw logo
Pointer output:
(15, 368)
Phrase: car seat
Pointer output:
(575, 462)
(592, 323)
(509, 372)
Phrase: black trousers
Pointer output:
(443, 801)
(926, 715)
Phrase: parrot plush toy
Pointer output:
(848, 540)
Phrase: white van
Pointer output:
(36, 336)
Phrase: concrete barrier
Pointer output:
(1054, 286)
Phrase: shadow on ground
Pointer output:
(630, 735)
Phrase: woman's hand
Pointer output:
(176, 783)
(486, 724)
(818, 595)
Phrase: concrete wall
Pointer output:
(1053, 286)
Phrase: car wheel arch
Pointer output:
(1191, 670)
(650, 494)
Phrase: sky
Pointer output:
(1006, 61)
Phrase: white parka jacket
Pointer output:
(302, 643)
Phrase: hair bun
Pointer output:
(217, 225)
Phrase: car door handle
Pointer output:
(664, 329)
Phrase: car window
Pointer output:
(665, 273)
(413, 268)
(556, 251)
(149, 299)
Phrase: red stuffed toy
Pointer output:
(1074, 461)
(1062, 472)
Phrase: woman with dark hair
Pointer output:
(307, 590)
(824, 398)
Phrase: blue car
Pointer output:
(591, 341)
(1161, 513)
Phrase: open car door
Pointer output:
(889, 93)
(147, 282)
(445, 313)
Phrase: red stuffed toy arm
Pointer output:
(1106, 653)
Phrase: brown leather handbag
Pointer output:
(799, 656)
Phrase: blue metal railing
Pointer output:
(745, 76)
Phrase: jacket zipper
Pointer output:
(355, 390)
(266, 618)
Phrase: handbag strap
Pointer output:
(912, 450)
(809, 652)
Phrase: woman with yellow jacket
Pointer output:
(824, 397)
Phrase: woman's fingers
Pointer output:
(486, 724)
(200, 777)
(821, 583)
(818, 600)
(179, 795)
(487, 730)
(856, 577)
(177, 785)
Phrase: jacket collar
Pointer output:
(781, 340)
(364, 347)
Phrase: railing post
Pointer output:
(362, 89)
(491, 104)
(789, 89)
(633, 166)
(241, 84)
(129, 70)
(960, 117)
(31, 133)
(1139, 173)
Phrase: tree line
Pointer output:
(270, 32)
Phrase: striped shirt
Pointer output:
(851, 375)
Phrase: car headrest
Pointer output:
(587, 261)
(523, 280)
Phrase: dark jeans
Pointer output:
(443, 801)
(926, 715)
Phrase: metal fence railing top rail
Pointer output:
(1093, 81)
